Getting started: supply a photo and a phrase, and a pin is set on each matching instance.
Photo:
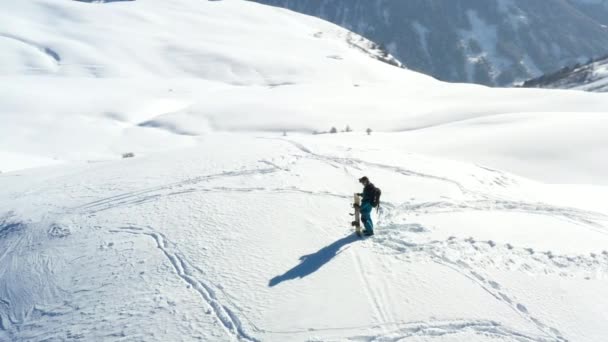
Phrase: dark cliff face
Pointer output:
(493, 42)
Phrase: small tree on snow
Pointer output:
(369, 131)
(333, 130)
(284, 133)
(348, 129)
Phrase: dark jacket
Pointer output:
(369, 192)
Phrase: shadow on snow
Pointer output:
(312, 262)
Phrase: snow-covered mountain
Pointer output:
(99, 79)
(592, 76)
(222, 229)
(492, 42)
(91, 81)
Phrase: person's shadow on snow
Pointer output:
(312, 262)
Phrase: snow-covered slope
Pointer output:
(222, 229)
(592, 76)
(228, 41)
(108, 72)
(247, 238)
(492, 42)
(90, 81)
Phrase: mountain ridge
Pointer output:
(495, 42)
(591, 76)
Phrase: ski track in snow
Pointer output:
(448, 253)
(494, 289)
(373, 297)
(485, 202)
(587, 218)
(446, 328)
(400, 330)
(167, 190)
(435, 253)
(186, 271)
(356, 163)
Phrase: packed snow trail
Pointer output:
(253, 243)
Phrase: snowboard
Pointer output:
(357, 222)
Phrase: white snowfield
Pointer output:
(493, 226)
(90, 81)
(251, 242)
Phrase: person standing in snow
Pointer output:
(367, 203)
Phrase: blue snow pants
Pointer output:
(366, 216)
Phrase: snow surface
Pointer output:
(220, 228)
(252, 242)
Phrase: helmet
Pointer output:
(363, 179)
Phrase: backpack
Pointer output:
(377, 193)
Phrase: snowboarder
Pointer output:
(370, 198)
